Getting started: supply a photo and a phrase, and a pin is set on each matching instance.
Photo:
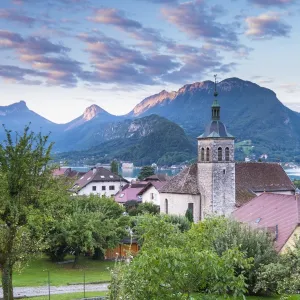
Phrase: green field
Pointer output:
(36, 272)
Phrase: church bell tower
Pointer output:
(216, 166)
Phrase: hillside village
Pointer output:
(257, 193)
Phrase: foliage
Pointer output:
(189, 215)
(90, 223)
(297, 183)
(221, 234)
(114, 167)
(283, 276)
(168, 267)
(134, 208)
(145, 172)
(28, 194)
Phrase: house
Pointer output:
(150, 193)
(99, 181)
(216, 184)
(67, 172)
(157, 177)
(130, 192)
(277, 213)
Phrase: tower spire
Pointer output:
(215, 108)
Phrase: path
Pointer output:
(43, 290)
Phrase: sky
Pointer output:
(61, 56)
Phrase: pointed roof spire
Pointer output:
(215, 106)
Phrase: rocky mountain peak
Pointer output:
(92, 111)
(12, 108)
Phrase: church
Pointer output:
(216, 184)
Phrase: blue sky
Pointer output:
(61, 56)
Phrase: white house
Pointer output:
(150, 192)
(99, 181)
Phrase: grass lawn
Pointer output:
(36, 273)
(68, 296)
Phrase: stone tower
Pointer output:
(216, 166)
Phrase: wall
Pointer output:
(216, 179)
(88, 189)
(146, 197)
(290, 244)
(178, 204)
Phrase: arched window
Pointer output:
(207, 154)
(167, 206)
(219, 154)
(227, 154)
(202, 154)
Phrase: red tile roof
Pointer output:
(271, 211)
(128, 194)
(61, 171)
(156, 184)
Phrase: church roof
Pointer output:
(272, 211)
(183, 183)
(216, 129)
(250, 178)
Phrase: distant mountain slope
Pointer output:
(250, 112)
(91, 113)
(151, 139)
(17, 115)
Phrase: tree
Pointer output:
(168, 268)
(26, 184)
(146, 171)
(90, 224)
(221, 234)
(114, 167)
(189, 215)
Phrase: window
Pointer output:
(152, 196)
(103, 187)
(191, 208)
(94, 188)
(224, 171)
(111, 187)
(102, 176)
(219, 154)
(111, 176)
(202, 154)
(122, 195)
(207, 154)
(227, 154)
(167, 206)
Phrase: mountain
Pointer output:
(17, 115)
(251, 112)
(146, 140)
(93, 112)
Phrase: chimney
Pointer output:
(94, 170)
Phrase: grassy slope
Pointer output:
(36, 273)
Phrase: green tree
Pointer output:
(90, 224)
(167, 267)
(189, 215)
(145, 172)
(26, 185)
(114, 167)
(221, 234)
(297, 183)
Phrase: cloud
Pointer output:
(267, 26)
(20, 75)
(290, 87)
(16, 16)
(30, 45)
(162, 1)
(148, 37)
(199, 21)
(115, 62)
(280, 3)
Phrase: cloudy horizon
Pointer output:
(74, 53)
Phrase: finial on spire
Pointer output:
(216, 92)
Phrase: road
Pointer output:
(43, 290)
